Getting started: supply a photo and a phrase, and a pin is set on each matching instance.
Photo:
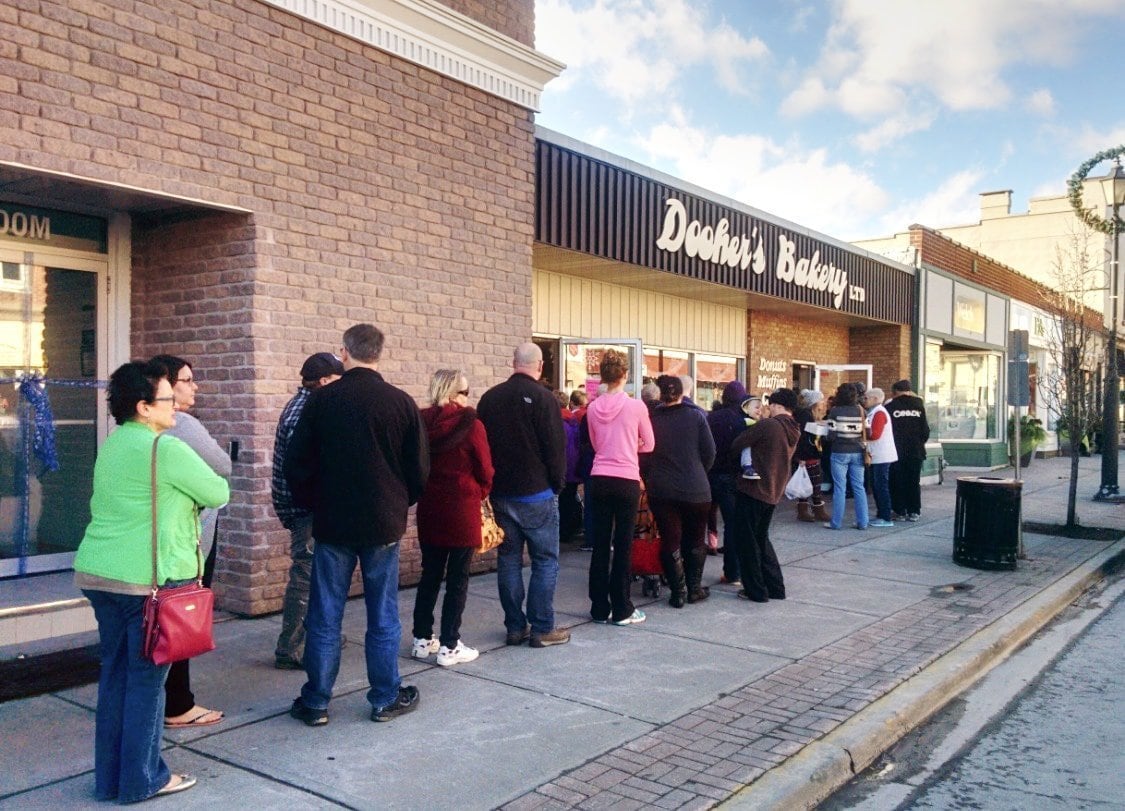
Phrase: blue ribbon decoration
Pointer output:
(35, 410)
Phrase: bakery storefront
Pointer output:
(688, 282)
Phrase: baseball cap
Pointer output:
(322, 364)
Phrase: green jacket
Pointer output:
(116, 551)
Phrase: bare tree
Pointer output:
(1075, 345)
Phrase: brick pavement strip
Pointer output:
(707, 754)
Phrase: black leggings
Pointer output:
(613, 503)
(178, 697)
(452, 565)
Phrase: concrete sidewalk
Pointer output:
(763, 706)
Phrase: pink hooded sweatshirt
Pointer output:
(619, 429)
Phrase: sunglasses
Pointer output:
(464, 392)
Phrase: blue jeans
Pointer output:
(722, 493)
(331, 577)
(881, 485)
(848, 467)
(129, 725)
(535, 523)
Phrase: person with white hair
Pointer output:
(811, 407)
(881, 446)
(689, 386)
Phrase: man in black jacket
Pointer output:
(525, 435)
(358, 459)
(912, 431)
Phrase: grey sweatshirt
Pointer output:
(192, 432)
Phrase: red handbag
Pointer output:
(177, 620)
(644, 556)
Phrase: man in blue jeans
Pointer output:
(525, 435)
(358, 459)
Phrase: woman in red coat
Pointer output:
(449, 524)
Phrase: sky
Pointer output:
(856, 118)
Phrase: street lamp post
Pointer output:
(1113, 187)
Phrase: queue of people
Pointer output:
(353, 453)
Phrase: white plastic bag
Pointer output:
(800, 485)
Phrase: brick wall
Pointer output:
(779, 337)
(377, 191)
(512, 18)
(887, 348)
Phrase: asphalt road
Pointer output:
(1045, 730)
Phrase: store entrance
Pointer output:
(49, 327)
(829, 377)
(573, 363)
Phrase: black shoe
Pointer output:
(312, 717)
(746, 596)
(676, 600)
(698, 594)
(288, 663)
(518, 637)
(407, 701)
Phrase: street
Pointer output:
(1059, 745)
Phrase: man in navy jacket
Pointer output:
(358, 459)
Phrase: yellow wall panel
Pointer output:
(576, 307)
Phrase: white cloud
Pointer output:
(892, 129)
(635, 51)
(954, 202)
(800, 185)
(883, 58)
(1041, 102)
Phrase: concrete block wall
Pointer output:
(376, 191)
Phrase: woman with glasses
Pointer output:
(449, 519)
(180, 709)
(113, 567)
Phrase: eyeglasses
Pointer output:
(163, 399)
(464, 393)
(185, 379)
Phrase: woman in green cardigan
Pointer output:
(113, 567)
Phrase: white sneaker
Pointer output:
(424, 647)
(458, 656)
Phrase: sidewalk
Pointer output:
(684, 710)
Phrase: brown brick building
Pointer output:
(238, 182)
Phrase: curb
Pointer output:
(825, 765)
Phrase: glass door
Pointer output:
(581, 358)
(51, 325)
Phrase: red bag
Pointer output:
(177, 620)
(644, 557)
(177, 623)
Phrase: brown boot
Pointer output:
(820, 512)
(804, 511)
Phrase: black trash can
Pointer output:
(986, 528)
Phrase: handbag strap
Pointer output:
(198, 552)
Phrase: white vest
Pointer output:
(882, 450)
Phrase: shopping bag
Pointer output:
(800, 485)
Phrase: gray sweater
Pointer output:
(192, 432)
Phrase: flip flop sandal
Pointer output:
(186, 782)
(196, 721)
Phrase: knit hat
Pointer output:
(734, 393)
(322, 364)
(811, 397)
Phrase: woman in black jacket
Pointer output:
(679, 492)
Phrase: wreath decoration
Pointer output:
(1074, 193)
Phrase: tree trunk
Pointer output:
(1072, 493)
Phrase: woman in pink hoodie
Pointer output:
(619, 429)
